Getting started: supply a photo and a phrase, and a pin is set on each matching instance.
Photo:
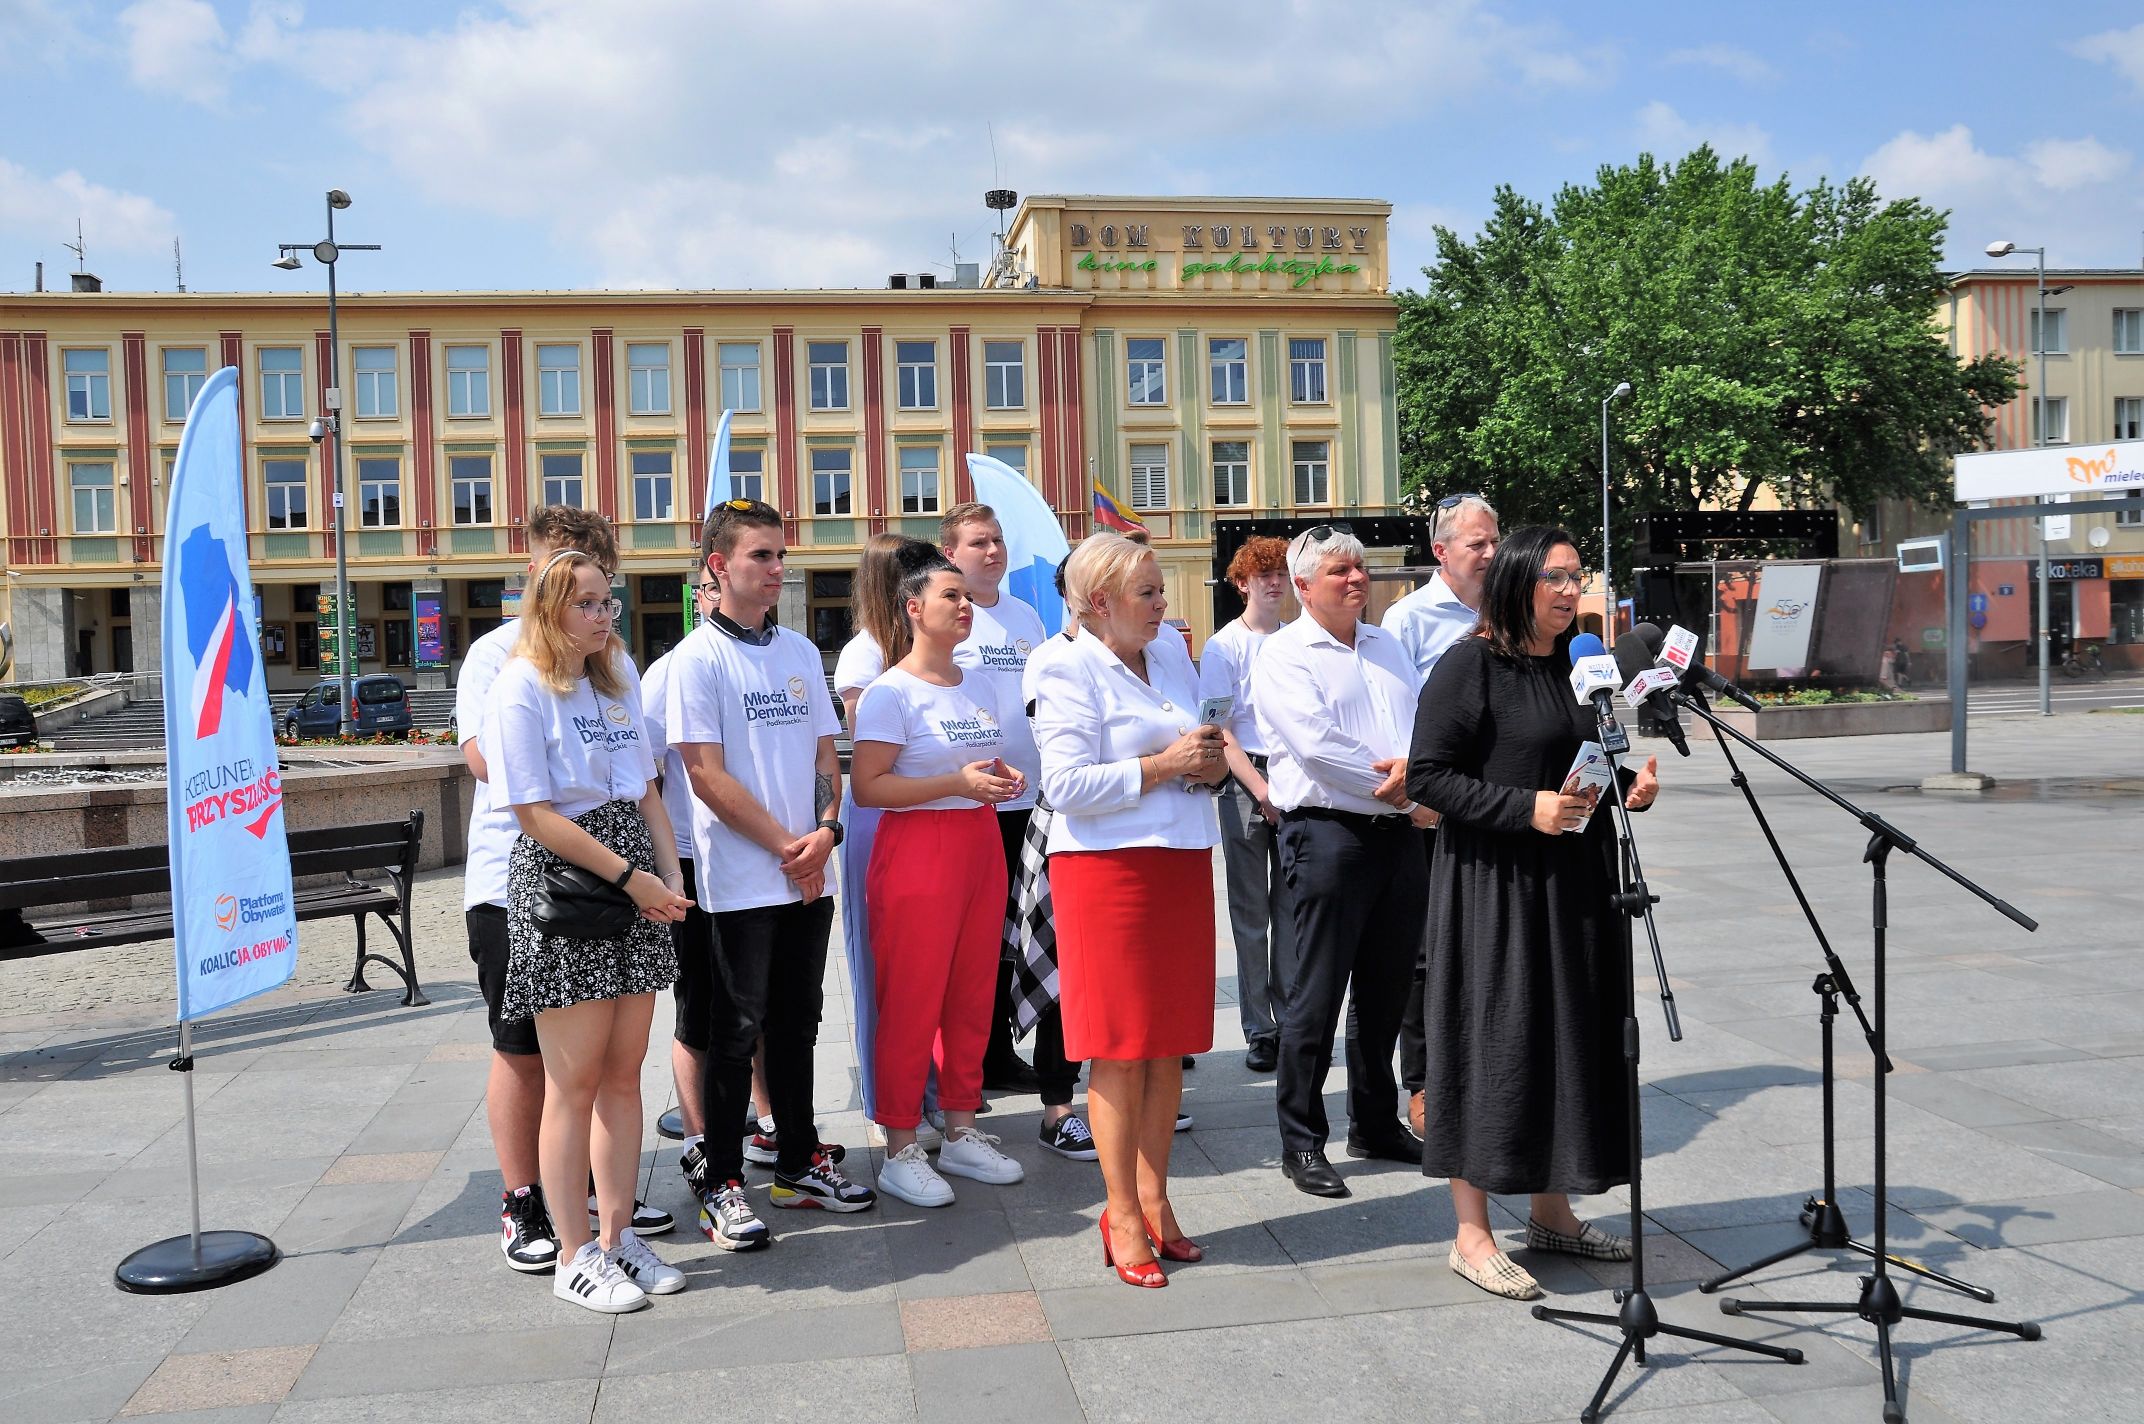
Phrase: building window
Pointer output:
(919, 479)
(2129, 331)
(379, 492)
(372, 368)
(1229, 360)
(2131, 517)
(282, 383)
(558, 380)
(740, 375)
(830, 481)
(470, 476)
(96, 504)
(1150, 476)
(1232, 472)
(185, 372)
(2058, 420)
(1004, 375)
(562, 480)
(1313, 472)
(2058, 331)
(469, 381)
(647, 365)
(1306, 370)
(1013, 457)
(1872, 527)
(829, 374)
(284, 481)
(2129, 418)
(89, 384)
(748, 474)
(1145, 374)
(916, 374)
(654, 485)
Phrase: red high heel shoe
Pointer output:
(1183, 1248)
(1142, 1273)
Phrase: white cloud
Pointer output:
(2076, 195)
(45, 210)
(2124, 49)
(1735, 62)
(177, 47)
(2066, 163)
(1667, 135)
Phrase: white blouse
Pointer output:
(1094, 719)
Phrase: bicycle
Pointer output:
(2083, 660)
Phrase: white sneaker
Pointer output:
(593, 1280)
(929, 1138)
(907, 1176)
(644, 1268)
(972, 1153)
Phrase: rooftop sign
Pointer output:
(2109, 469)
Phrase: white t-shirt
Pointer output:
(1225, 671)
(1057, 646)
(938, 729)
(999, 643)
(492, 827)
(859, 665)
(766, 707)
(576, 750)
(677, 787)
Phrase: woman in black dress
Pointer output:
(1524, 999)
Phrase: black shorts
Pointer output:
(489, 947)
(694, 937)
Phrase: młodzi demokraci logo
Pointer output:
(613, 726)
(791, 704)
(1005, 657)
(960, 731)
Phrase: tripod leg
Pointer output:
(1681, 1332)
(2023, 1329)
(1900, 1263)
(1892, 1414)
(1708, 1287)
(1592, 1411)
(1732, 1306)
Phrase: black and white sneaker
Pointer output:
(526, 1235)
(647, 1220)
(727, 1219)
(1068, 1137)
(693, 1163)
(591, 1279)
(822, 1185)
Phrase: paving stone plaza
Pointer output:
(352, 1131)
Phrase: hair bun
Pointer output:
(914, 556)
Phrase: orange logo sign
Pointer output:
(226, 911)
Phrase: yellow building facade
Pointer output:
(1200, 359)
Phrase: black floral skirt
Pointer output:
(553, 972)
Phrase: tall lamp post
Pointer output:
(1607, 549)
(329, 423)
(2039, 526)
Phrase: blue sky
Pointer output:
(571, 143)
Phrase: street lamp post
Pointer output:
(2039, 526)
(1607, 549)
(329, 425)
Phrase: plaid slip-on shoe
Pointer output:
(1591, 1242)
(1499, 1275)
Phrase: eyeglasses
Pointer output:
(596, 610)
(1453, 501)
(1563, 579)
(710, 587)
(1319, 533)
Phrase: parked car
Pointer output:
(18, 725)
(379, 700)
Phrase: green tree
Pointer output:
(1772, 339)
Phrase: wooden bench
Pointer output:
(100, 879)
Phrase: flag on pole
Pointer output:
(1034, 539)
(1112, 515)
(232, 911)
(718, 468)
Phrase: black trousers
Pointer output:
(1414, 1040)
(1361, 898)
(1055, 1077)
(769, 966)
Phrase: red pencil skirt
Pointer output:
(1135, 951)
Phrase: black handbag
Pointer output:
(572, 903)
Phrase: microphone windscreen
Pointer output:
(1587, 645)
(1654, 639)
(1632, 656)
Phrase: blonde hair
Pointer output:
(545, 606)
(1104, 563)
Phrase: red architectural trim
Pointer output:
(424, 468)
(1046, 383)
(44, 477)
(785, 428)
(141, 459)
(516, 439)
(14, 443)
(876, 498)
(1080, 507)
(606, 426)
(323, 362)
(696, 431)
(232, 352)
(963, 416)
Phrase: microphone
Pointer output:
(1648, 684)
(1678, 649)
(1594, 679)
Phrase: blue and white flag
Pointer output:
(1034, 540)
(718, 467)
(231, 906)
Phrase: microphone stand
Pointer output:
(1879, 1302)
(1638, 1320)
(1827, 1226)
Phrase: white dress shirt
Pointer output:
(1428, 621)
(1328, 711)
(1094, 719)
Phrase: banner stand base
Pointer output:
(174, 1266)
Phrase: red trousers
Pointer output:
(935, 894)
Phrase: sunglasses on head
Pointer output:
(1319, 533)
(1453, 501)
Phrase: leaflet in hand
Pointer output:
(1591, 777)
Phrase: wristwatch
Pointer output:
(834, 826)
(623, 876)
